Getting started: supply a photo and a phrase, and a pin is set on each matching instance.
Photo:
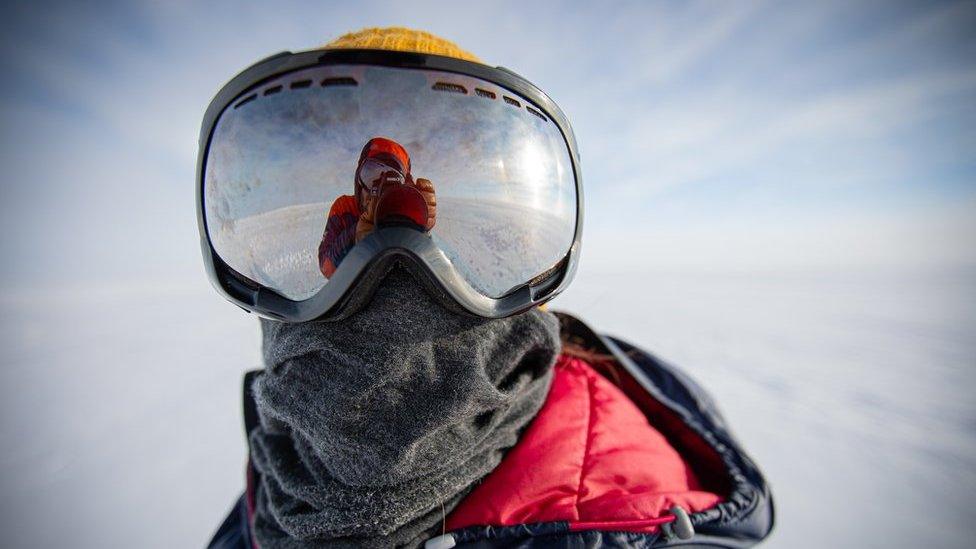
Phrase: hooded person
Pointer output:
(419, 395)
(383, 189)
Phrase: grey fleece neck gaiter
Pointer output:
(373, 428)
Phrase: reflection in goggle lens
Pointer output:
(375, 175)
(297, 174)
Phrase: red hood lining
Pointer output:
(704, 460)
(595, 459)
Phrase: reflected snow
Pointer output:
(489, 243)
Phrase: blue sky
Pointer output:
(714, 135)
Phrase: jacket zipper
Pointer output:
(681, 528)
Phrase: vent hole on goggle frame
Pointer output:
(449, 87)
(339, 81)
(535, 112)
(485, 93)
(246, 100)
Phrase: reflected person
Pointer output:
(384, 194)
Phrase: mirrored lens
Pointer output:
(489, 178)
(375, 176)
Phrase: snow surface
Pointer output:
(121, 423)
(496, 245)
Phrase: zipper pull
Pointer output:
(681, 528)
(443, 541)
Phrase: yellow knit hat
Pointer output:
(400, 39)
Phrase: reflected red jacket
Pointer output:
(340, 233)
(627, 451)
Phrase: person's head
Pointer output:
(382, 162)
(278, 142)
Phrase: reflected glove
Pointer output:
(367, 221)
(426, 189)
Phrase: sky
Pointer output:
(713, 135)
(732, 153)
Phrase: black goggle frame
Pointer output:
(370, 260)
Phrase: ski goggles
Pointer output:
(492, 185)
(375, 176)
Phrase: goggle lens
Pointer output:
(282, 173)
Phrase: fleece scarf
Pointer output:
(373, 428)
